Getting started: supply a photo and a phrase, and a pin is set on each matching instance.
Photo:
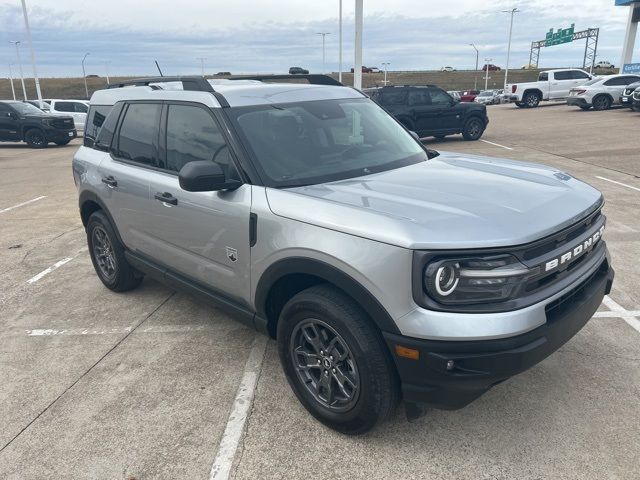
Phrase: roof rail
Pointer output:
(313, 78)
(193, 83)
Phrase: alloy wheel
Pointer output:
(103, 252)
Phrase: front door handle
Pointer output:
(110, 181)
(166, 197)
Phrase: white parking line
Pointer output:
(618, 183)
(221, 468)
(23, 204)
(626, 315)
(496, 144)
(52, 332)
(49, 270)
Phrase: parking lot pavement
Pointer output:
(142, 385)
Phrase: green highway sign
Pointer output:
(562, 35)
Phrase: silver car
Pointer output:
(384, 270)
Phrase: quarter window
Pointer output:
(565, 75)
(439, 97)
(95, 119)
(193, 135)
(393, 97)
(139, 133)
(543, 77)
(418, 97)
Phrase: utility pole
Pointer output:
(475, 79)
(202, 59)
(385, 65)
(17, 44)
(84, 75)
(106, 67)
(486, 72)
(512, 12)
(340, 41)
(324, 34)
(13, 90)
(33, 56)
(357, 68)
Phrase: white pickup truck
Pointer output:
(551, 85)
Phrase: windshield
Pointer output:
(486, 93)
(592, 81)
(321, 141)
(26, 109)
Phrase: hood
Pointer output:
(449, 202)
(47, 116)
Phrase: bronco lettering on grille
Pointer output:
(575, 252)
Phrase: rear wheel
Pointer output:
(601, 102)
(531, 99)
(336, 361)
(473, 129)
(107, 255)
(35, 138)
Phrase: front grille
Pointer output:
(63, 123)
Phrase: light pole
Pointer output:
(357, 67)
(106, 68)
(324, 34)
(17, 44)
(486, 72)
(340, 41)
(475, 79)
(13, 90)
(202, 59)
(33, 55)
(385, 65)
(84, 75)
(512, 12)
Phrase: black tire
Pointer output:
(520, 105)
(601, 102)
(585, 107)
(531, 99)
(35, 138)
(473, 128)
(325, 313)
(107, 255)
(439, 137)
(62, 143)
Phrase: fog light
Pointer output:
(451, 365)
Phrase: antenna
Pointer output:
(158, 66)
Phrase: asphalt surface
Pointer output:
(95, 384)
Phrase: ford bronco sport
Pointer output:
(384, 270)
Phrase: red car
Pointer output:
(491, 67)
(469, 95)
(364, 69)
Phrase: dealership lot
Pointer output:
(143, 385)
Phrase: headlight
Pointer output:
(46, 121)
(469, 280)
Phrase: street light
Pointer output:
(486, 72)
(324, 34)
(475, 80)
(33, 55)
(13, 90)
(202, 59)
(385, 65)
(357, 67)
(340, 41)
(512, 12)
(106, 68)
(17, 44)
(84, 75)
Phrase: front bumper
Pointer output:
(56, 135)
(450, 375)
(627, 101)
(578, 102)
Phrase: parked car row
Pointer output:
(602, 93)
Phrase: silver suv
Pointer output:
(384, 270)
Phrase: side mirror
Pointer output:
(414, 135)
(12, 115)
(204, 176)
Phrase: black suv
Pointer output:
(298, 71)
(430, 111)
(20, 121)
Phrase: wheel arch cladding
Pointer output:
(90, 203)
(537, 91)
(287, 277)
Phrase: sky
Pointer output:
(124, 37)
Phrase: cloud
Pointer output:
(407, 34)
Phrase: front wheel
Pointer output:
(336, 361)
(35, 138)
(473, 129)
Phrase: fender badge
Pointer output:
(232, 254)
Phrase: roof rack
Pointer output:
(313, 78)
(194, 83)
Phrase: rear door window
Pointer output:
(439, 97)
(563, 75)
(80, 107)
(418, 97)
(578, 75)
(394, 97)
(65, 107)
(138, 134)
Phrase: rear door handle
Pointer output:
(166, 197)
(110, 181)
